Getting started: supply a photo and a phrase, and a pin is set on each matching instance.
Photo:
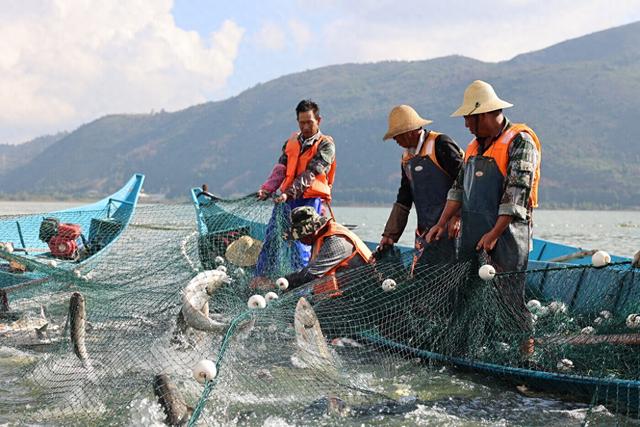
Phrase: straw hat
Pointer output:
(244, 251)
(402, 119)
(479, 97)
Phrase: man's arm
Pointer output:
(319, 164)
(449, 155)
(399, 215)
(523, 160)
(452, 208)
(276, 177)
(333, 251)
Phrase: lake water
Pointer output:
(617, 232)
(478, 400)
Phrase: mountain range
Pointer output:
(581, 96)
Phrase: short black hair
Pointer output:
(307, 105)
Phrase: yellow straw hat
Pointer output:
(479, 97)
(403, 118)
(244, 251)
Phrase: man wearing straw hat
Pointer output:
(496, 189)
(430, 163)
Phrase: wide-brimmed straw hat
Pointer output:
(479, 97)
(244, 252)
(404, 118)
(305, 221)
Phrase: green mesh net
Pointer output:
(379, 354)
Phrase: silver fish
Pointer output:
(77, 324)
(313, 351)
(170, 398)
(26, 331)
(195, 303)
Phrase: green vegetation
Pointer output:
(581, 96)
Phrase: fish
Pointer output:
(312, 349)
(170, 398)
(77, 324)
(26, 330)
(195, 303)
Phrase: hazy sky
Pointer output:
(67, 62)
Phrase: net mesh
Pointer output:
(374, 353)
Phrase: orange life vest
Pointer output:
(330, 286)
(499, 151)
(427, 150)
(297, 163)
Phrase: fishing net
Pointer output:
(302, 357)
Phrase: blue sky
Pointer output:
(67, 62)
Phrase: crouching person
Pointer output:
(334, 249)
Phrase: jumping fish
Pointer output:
(170, 398)
(313, 351)
(77, 323)
(195, 302)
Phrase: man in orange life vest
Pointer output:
(496, 190)
(430, 163)
(304, 173)
(334, 248)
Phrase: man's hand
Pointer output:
(281, 198)
(263, 194)
(636, 260)
(385, 242)
(487, 242)
(435, 233)
(453, 227)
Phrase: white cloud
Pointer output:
(300, 33)
(64, 62)
(270, 36)
(486, 30)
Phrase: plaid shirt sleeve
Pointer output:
(523, 160)
(333, 251)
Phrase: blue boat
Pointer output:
(101, 223)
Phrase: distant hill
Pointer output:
(581, 96)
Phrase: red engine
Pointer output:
(63, 244)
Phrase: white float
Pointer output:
(487, 272)
(270, 296)
(282, 283)
(389, 285)
(633, 321)
(221, 268)
(557, 307)
(534, 305)
(600, 259)
(589, 330)
(204, 371)
(605, 314)
(219, 260)
(565, 365)
(257, 301)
